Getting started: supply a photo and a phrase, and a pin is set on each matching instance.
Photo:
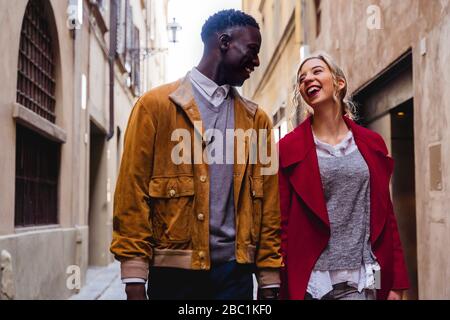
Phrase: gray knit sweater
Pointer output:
(345, 182)
(221, 193)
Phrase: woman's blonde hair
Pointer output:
(303, 109)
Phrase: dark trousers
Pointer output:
(226, 281)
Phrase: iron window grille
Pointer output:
(37, 158)
(36, 82)
(37, 171)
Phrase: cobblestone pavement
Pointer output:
(102, 283)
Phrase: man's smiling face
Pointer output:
(241, 57)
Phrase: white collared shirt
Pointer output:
(343, 148)
(209, 89)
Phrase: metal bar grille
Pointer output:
(37, 171)
(36, 83)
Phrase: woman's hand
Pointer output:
(395, 295)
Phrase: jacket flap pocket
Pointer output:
(171, 187)
(256, 185)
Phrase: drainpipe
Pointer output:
(111, 60)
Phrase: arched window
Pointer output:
(36, 82)
(37, 157)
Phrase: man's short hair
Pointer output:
(224, 20)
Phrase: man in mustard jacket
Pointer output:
(196, 206)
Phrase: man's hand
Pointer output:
(135, 291)
(395, 295)
(269, 293)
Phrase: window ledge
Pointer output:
(35, 122)
(20, 230)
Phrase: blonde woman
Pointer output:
(339, 234)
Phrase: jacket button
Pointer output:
(201, 217)
(203, 178)
(201, 254)
(172, 193)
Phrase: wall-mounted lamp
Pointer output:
(74, 14)
(173, 27)
(144, 53)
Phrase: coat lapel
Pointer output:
(299, 153)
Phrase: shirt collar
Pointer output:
(208, 88)
(341, 147)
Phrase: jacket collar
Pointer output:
(183, 96)
(244, 114)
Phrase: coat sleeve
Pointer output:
(268, 257)
(131, 218)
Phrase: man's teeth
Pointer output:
(248, 70)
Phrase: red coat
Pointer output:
(305, 225)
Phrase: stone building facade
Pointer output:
(272, 83)
(72, 70)
(396, 56)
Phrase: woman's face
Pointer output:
(316, 82)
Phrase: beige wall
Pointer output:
(41, 255)
(346, 36)
(432, 127)
(12, 21)
(271, 85)
(157, 39)
(11, 17)
(363, 54)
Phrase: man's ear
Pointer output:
(224, 42)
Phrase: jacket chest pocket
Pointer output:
(171, 202)
(257, 194)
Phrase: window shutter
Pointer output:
(136, 69)
(121, 29)
(128, 35)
